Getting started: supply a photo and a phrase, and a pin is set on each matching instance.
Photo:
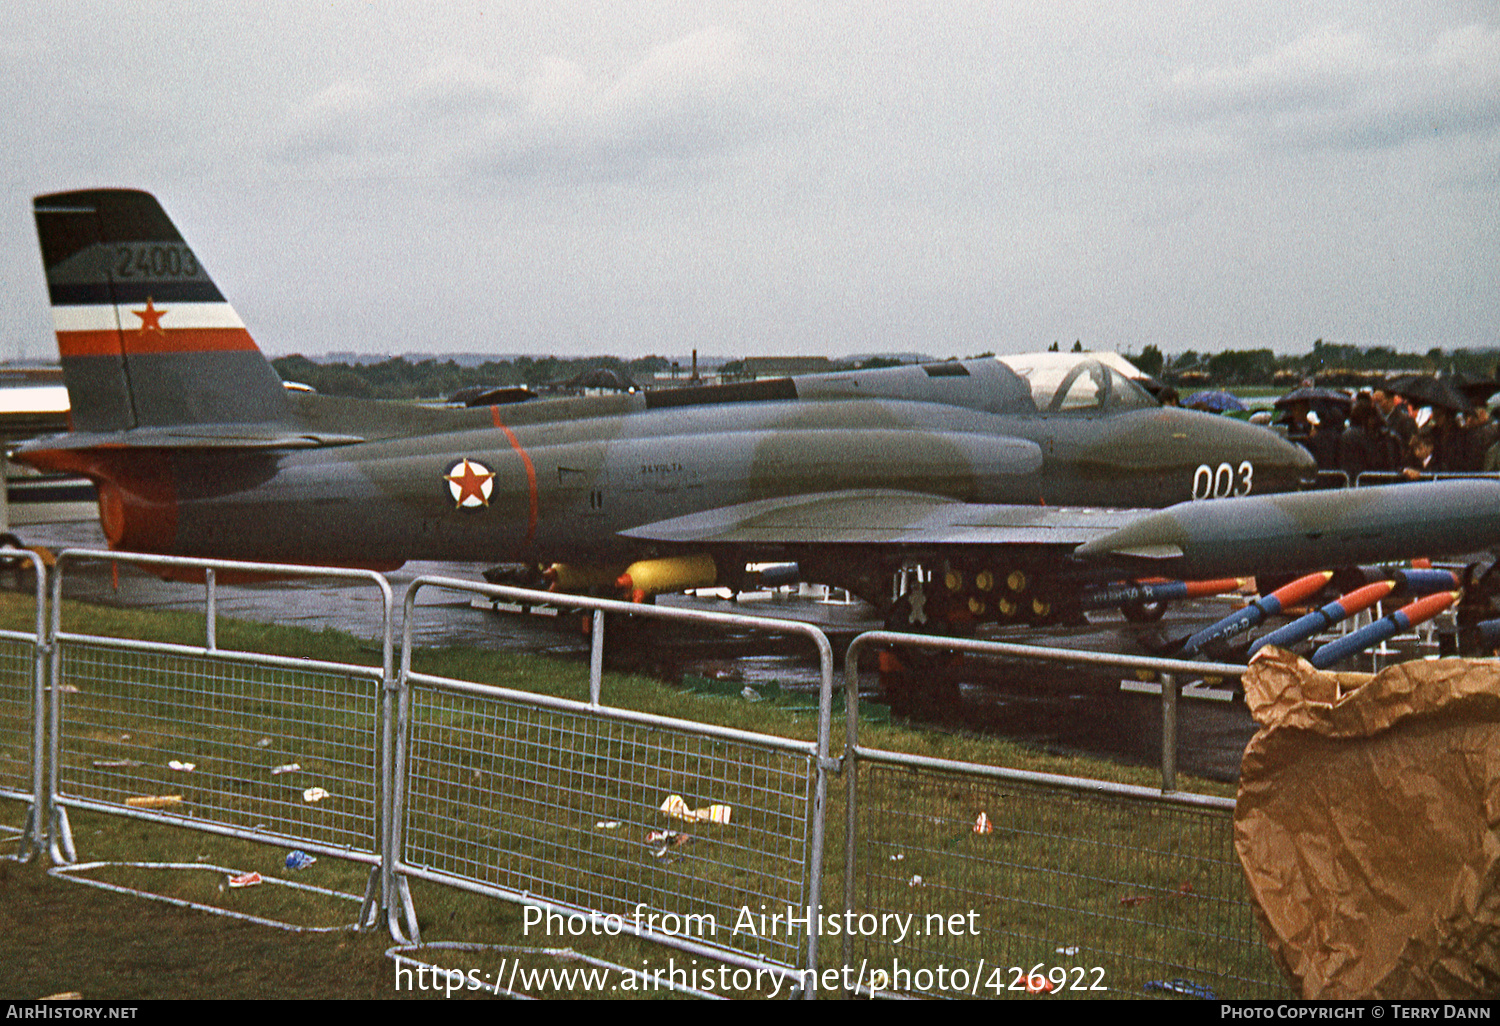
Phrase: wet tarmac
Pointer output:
(1060, 708)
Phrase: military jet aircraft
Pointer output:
(1007, 484)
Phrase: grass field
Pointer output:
(508, 796)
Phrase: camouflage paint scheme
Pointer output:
(198, 449)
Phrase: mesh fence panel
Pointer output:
(567, 806)
(17, 687)
(262, 741)
(1148, 892)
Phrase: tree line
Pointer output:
(401, 378)
(1326, 363)
(1331, 364)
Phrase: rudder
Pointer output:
(146, 338)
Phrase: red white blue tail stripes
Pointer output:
(146, 338)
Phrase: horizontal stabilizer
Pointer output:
(196, 436)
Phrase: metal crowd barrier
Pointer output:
(22, 679)
(1169, 671)
(1011, 880)
(649, 825)
(1383, 477)
(266, 748)
(670, 830)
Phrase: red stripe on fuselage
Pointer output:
(163, 343)
(515, 444)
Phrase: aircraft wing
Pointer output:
(879, 517)
(1226, 537)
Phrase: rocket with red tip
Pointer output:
(1241, 620)
(1157, 591)
(1337, 610)
(1403, 619)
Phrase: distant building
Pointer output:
(783, 366)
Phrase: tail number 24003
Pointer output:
(1222, 481)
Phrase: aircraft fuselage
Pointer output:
(559, 480)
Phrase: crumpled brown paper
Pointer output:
(1368, 825)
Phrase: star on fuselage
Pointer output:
(470, 484)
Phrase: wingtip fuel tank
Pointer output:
(1308, 530)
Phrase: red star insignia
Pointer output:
(150, 317)
(470, 484)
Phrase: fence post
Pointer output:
(596, 657)
(211, 609)
(1169, 693)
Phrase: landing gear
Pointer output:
(1143, 612)
(954, 598)
(916, 680)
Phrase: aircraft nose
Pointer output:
(1299, 466)
(1305, 462)
(1261, 458)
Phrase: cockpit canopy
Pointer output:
(1078, 382)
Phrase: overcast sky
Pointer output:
(782, 178)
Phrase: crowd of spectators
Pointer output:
(1380, 431)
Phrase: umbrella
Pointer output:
(602, 377)
(1476, 390)
(1426, 390)
(1316, 397)
(1329, 404)
(1215, 401)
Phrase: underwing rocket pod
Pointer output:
(649, 577)
(1403, 619)
(1339, 609)
(1241, 620)
(1157, 591)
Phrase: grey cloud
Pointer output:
(700, 95)
(1339, 88)
(343, 120)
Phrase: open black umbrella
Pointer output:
(1427, 390)
(1316, 397)
(1330, 405)
(1153, 385)
(1476, 390)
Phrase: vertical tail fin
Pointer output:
(146, 338)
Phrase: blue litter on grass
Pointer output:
(1185, 988)
(299, 860)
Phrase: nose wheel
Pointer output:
(1143, 612)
